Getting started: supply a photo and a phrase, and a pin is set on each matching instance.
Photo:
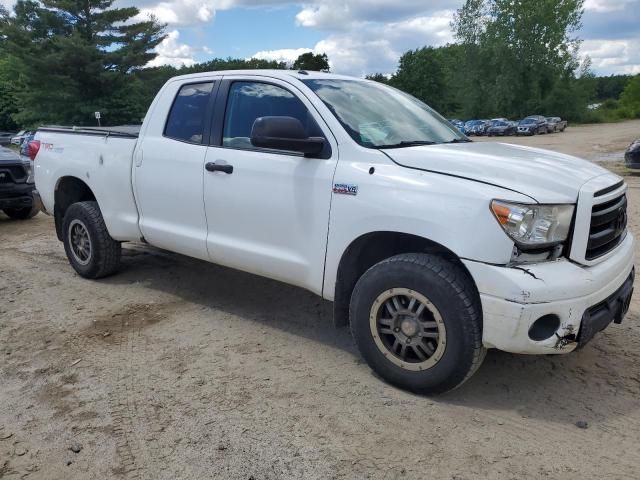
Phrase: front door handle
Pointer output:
(218, 167)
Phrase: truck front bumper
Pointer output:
(580, 300)
(16, 195)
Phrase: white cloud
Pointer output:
(288, 55)
(170, 52)
(376, 46)
(603, 6)
(613, 56)
(366, 36)
(339, 15)
(180, 12)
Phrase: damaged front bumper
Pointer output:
(513, 298)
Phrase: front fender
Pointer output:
(450, 211)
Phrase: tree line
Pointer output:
(63, 60)
(514, 58)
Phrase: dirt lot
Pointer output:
(180, 369)
(599, 143)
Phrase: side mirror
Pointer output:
(284, 133)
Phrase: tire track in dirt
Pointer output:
(123, 332)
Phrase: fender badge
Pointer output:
(345, 188)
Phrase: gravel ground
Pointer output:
(178, 369)
(596, 142)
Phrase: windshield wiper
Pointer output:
(459, 140)
(407, 143)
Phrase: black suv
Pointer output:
(17, 197)
(532, 125)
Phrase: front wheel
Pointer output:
(90, 249)
(417, 321)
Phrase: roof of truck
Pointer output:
(281, 74)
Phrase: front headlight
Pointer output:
(29, 169)
(531, 225)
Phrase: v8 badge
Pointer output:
(345, 188)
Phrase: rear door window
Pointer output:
(187, 116)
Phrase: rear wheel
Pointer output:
(416, 319)
(24, 213)
(90, 249)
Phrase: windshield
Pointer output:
(499, 124)
(527, 121)
(378, 116)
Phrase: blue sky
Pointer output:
(241, 32)
(359, 36)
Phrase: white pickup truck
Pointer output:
(432, 247)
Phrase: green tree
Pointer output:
(421, 73)
(378, 77)
(430, 74)
(520, 56)
(611, 86)
(75, 57)
(8, 101)
(630, 97)
(313, 62)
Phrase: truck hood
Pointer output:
(9, 157)
(545, 176)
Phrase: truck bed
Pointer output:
(99, 157)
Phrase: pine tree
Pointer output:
(71, 58)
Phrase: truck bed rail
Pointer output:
(124, 131)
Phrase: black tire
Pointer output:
(24, 213)
(104, 252)
(450, 290)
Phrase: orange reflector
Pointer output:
(501, 212)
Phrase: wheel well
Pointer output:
(69, 190)
(369, 249)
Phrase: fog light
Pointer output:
(544, 327)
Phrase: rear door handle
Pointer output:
(218, 167)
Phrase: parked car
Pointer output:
(477, 127)
(532, 125)
(555, 124)
(632, 155)
(5, 138)
(242, 169)
(17, 187)
(501, 128)
(459, 124)
(20, 136)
